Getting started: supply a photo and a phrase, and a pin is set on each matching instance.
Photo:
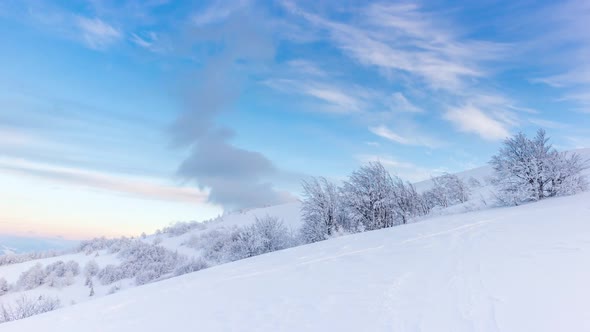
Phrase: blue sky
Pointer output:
(119, 117)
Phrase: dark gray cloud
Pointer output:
(236, 177)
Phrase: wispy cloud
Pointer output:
(401, 37)
(471, 119)
(336, 99)
(137, 187)
(218, 11)
(96, 33)
(406, 139)
(400, 103)
(548, 124)
(565, 43)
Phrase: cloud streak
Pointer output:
(136, 187)
(410, 139)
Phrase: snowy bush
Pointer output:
(110, 274)
(143, 261)
(181, 227)
(60, 274)
(146, 276)
(3, 286)
(322, 210)
(530, 170)
(97, 244)
(193, 265)
(32, 278)
(447, 190)
(25, 307)
(91, 268)
(223, 245)
(21, 258)
(214, 244)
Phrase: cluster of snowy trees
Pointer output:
(21, 258)
(447, 189)
(531, 169)
(25, 307)
(371, 199)
(221, 245)
(57, 274)
(142, 261)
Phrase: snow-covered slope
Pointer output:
(505, 269)
(78, 291)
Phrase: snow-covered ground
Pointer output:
(504, 269)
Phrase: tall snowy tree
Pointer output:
(406, 201)
(321, 209)
(369, 195)
(530, 170)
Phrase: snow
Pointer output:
(503, 269)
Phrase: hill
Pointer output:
(502, 269)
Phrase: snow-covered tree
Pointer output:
(530, 169)
(91, 286)
(267, 234)
(25, 307)
(368, 195)
(447, 189)
(91, 268)
(322, 210)
(32, 278)
(191, 266)
(406, 201)
(272, 234)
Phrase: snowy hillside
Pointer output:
(504, 269)
(176, 239)
(104, 267)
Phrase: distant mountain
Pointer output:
(10, 244)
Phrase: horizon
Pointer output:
(119, 118)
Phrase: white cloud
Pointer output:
(471, 119)
(547, 123)
(405, 139)
(401, 104)
(96, 33)
(384, 132)
(218, 11)
(338, 99)
(301, 66)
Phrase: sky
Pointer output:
(118, 117)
